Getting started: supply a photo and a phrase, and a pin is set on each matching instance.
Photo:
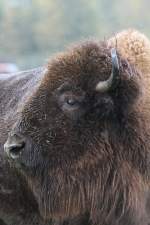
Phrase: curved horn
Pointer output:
(114, 78)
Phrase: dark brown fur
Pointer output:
(87, 164)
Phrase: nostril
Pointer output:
(14, 150)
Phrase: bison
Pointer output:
(75, 137)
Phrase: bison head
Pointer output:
(76, 131)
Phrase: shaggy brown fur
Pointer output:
(86, 155)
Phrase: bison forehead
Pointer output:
(88, 62)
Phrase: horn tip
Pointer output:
(113, 52)
(114, 58)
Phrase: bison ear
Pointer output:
(113, 80)
(104, 105)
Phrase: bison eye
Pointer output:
(72, 102)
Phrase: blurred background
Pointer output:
(33, 30)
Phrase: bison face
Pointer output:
(67, 131)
